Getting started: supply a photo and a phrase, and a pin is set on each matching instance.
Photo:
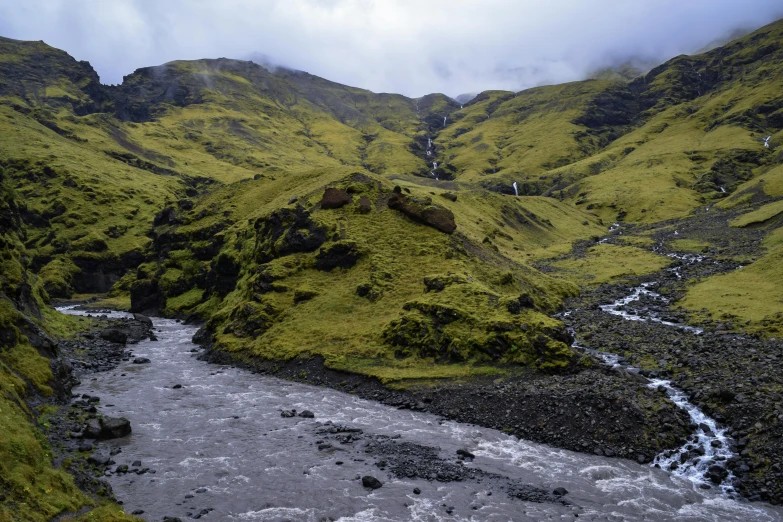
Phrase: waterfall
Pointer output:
(516, 192)
(429, 143)
(722, 189)
(434, 164)
(444, 123)
(766, 140)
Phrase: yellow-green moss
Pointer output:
(604, 263)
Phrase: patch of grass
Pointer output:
(750, 297)
(758, 216)
(689, 245)
(604, 263)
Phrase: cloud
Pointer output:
(413, 47)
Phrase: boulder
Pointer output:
(559, 492)
(114, 427)
(450, 196)
(334, 198)
(424, 212)
(371, 482)
(107, 428)
(307, 414)
(143, 319)
(114, 335)
(141, 360)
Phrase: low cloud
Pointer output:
(404, 46)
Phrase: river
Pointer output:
(218, 449)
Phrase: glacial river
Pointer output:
(217, 448)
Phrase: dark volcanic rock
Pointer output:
(114, 336)
(343, 254)
(107, 428)
(335, 198)
(371, 482)
(287, 231)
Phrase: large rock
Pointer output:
(371, 482)
(114, 427)
(143, 319)
(107, 428)
(114, 335)
(335, 198)
(423, 211)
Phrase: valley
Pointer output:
(576, 271)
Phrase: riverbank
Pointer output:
(75, 430)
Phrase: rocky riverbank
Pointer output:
(77, 432)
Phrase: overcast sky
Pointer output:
(413, 47)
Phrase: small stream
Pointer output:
(218, 449)
(711, 444)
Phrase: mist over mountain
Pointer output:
(403, 47)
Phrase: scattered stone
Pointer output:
(288, 413)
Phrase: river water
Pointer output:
(220, 450)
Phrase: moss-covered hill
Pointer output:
(177, 184)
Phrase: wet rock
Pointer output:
(465, 454)
(416, 491)
(371, 482)
(114, 335)
(288, 413)
(143, 319)
(172, 519)
(99, 459)
(177, 387)
(307, 414)
(560, 491)
(141, 360)
(334, 198)
(114, 427)
(92, 430)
